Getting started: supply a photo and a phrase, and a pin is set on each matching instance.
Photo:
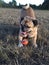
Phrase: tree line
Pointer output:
(13, 4)
(45, 4)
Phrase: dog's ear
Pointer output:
(35, 22)
(21, 19)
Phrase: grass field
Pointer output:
(10, 54)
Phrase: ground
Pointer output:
(10, 53)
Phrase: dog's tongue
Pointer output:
(23, 32)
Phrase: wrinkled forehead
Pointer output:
(28, 18)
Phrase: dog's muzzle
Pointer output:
(24, 26)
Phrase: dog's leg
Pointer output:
(20, 40)
(34, 41)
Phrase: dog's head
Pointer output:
(27, 23)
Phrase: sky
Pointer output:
(36, 2)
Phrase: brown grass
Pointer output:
(10, 54)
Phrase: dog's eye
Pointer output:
(26, 26)
(35, 22)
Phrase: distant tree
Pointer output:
(45, 4)
(14, 3)
(39, 7)
(34, 6)
(1, 2)
(10, 4)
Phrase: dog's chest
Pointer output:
(32, 33)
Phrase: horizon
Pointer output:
(34, 2)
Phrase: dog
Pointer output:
(28, 25)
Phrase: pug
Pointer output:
(28, 25)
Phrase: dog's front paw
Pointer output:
(35, 45)
(20, 45)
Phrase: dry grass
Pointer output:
(10, 54)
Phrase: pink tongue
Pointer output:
(23, 32)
